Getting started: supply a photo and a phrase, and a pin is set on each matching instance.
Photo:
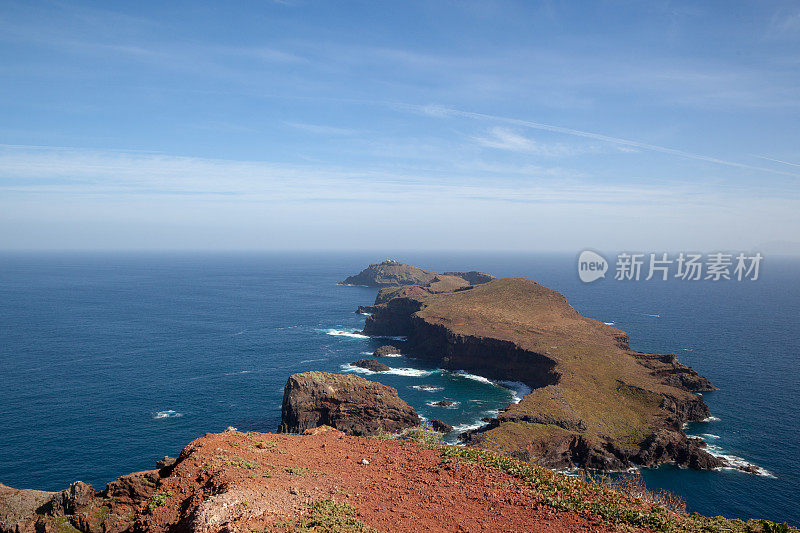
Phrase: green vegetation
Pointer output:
(325, 516)
(159, 500)
(586, 383)
(237, 462)
(301, 471)
(61, 524)
(630, 505)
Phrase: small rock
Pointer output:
(230, 429)
(371, 364)
(441, 427)
(443, 403)
(386, 350)
(294, 490)
(364, 462)
(165, 462)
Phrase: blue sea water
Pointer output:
(111, 361)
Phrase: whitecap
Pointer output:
(410, 372)
(518, 389)
(461, 428)
(387, 355)
(427, 388)
(311, 360)
(734, 462)
(474, 377)
(407, 372)
(710, 419)
(654, 316)
(453, 406)
(608, 323)
(342, 333)
(237, 373)
(167, 414)
(709, 436)
(365, 313)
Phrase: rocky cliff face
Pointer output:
(594, 401)
(346, 402)
(79, 507)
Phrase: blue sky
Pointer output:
(295, 124)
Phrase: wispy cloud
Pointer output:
(505, 139)
(442, 111)
(321, 129)
(46, 170)
(777, 161)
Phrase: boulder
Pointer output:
(346, 402)
(386, 350)
(371, 364)
(441, 427)
(443, 403)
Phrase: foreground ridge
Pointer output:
(326, 481)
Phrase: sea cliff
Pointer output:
(595, 402)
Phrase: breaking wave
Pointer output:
(461, 428)
(734, 462)
(342, 333)
(407, 372)
(474, 377)
(167, 414)
(454, 405)
(427, 388)
(519, 389)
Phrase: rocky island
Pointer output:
(595, 402)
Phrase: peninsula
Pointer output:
(595, 402)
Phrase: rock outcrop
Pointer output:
(386, 351)
(346, 402)
(371, 364)
(594, 401)
(79, 507)
(393, 274)
(441, 427)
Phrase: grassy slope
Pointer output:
(591, 363)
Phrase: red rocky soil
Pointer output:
(241, 482)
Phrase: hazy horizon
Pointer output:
(471, 126)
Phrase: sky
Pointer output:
(432, 125)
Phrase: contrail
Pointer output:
(776, 160)
(441, 110)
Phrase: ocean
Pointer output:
(110, 361)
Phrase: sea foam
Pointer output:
(342, 333)
(427, 388)
(519, 389)
(166, 414)
(453, 406)
(407, 372)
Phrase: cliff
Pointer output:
(594, 402)
(393, 273)
(326, 481)
(346, 402)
